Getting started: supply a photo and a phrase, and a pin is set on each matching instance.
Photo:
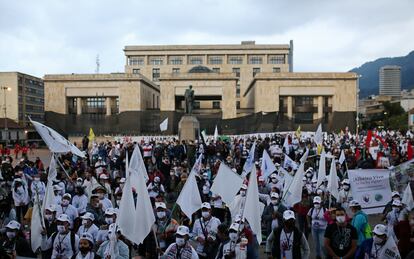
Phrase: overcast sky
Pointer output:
(65, 36)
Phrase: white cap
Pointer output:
(67, 195)
(100, 158)
(288, 214)
(234, 226)
(86, 236)
(261, 178)
(238, 218)
(160, 205)
(18, 180)
(51, 208)
(317, 199)
(110, 211)
(205, 205)
(244, 187)
(63, 217)
(79, 179)
(396, 203)
(345, 181)
(183, 231)
(88, 215)
(57, 187)
(319, 191)
(104, 177)
(273, 176)
(122, 180)
(395, 193)
(314, 180)
(354, 203)
(157, 179)
(380, 230)
(274, 195)
(13, 225)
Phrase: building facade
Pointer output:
(390, 81)
(23, 96)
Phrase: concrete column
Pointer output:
(289, 107)
(228, 103)
(108, 105)
(320, 107)
(78, 106)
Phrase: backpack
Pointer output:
(367, 229)
(72, 240)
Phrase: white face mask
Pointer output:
(36, 179)
(205, 214)
(84, 222)
(160, 214)
(274, 180)
(340, 219)
(109, 221)
(65, 202)
(346, 187)
(243, 193)
(48, 217)
(118, 202)
(180, 241)
(11, 234)
(61, 229)
(233, 236)
(316, 205)
(377, 240)
(274, 202)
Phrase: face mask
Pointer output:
(205, 214)
(11, 235)
(396, 199)
(121, 185)
(233, 236)
(20, 189)
(83, 249)
(160, 214)
(218, 203)
(61, 229)
(346, 188)
(109, 221)
(274, 180)
(316, 205)
(340, 219)
(96, 205)
(377, 240)
(65, 203)
(48, 217)
(84, 222)
(118, 202)
(180, 241)
(243, 193)
(274, 202)
(36, 179)
(308, 175)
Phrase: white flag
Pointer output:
(333, 181)
(36, 224)
(226, 183)
(319, 135)
(49, 198)
(408, 197)
(249, 164)
(288, 162)
(293, 192)
(215, 134)
(189, 198)
(164, 125)
(55, 142)
(342, 157)
(136, 162)
(268, 166)
(252, 210)
(322, 169)
(286, 144)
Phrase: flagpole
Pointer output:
(60, 164)
(39, 207)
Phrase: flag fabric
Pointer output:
(288, 162)
(298, 133)
(252, 210)
(91, 136)
(36, 224)
(293, 192)
(408, 197)
(267, 166)
(135, 220)
(55, 142)
(333, 181)
(357, 154)
(341, 159)
(164, 125)
(322, 169)
(49, 198)
(189, 198)
(226, 183)
(409, 151)
(216, 134)
(318, 135)
(368, 139)
(249, 164)
(286, 144)
(138, 162)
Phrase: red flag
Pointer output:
(368, 140)
(409, 151)
(357, 154)
(384, 144)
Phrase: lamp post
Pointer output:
(5, 89)
(357, 104)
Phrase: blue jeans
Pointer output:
(318, 237)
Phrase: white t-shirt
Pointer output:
(318, 221)
(286, 244)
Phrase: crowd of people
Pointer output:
(82, 221)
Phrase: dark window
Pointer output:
(176, 60)
(276, 59)
(238, 90)
(303, 100)
(276, 70)
(216, 69)
(197, 105)
(255, 60)
(255, 71)
(135, 71)
(238, 105)
(136, 61)
(196, 60)
(235, 60)
(155, 74)
(156, 61)
(175, 70)
(95, 102)
(236, 70)
(216, 105)
(215, 60)
(304, 117)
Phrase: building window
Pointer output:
(303, 100)
(175, 60)
(304, 117)
(216, 105)
(238, 105)
(156, 61)
(255, 71)
(95, 102)
(238, 90)
(236, 70)
(235, 60)
(136, 71)
(216, 69)
(196, 60)
(136, 61)
(197, 105)
(276, 59)
(155, 74)
(175, 70)
(215, 60)
(276, 70)
(255, 60)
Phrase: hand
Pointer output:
(43, 232)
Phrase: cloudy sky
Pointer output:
(61, 36)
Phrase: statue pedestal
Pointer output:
(188, 128)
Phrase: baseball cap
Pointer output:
(160, 205)
(317, 199)
(183, 231)
(122, 180)
(63, 218)
(288, 214)
(86, 236)
(205, 205)
(274, 195)
(234, 226)
(51, 208)
(380, 230)
(57, 188)
(88, 215)
(345, 181)
(110, 211)
(67, 195)
(244, 187)
(354, 203)
(13, 225)
(395, 193)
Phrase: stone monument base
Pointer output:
(188, 128)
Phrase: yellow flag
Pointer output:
(319, 149)
(91, 136)
(298, 133)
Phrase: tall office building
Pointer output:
(390, 81)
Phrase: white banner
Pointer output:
(371, 188)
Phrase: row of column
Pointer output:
(290, 107)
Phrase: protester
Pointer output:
(234, 246)
(86, 246)
(181, 249)
(14, 242)
(359, 221)
(113, 247)
(318, 225)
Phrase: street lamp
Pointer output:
(357, 104)
(5, 89)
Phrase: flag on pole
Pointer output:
(226, 183)
(189, 198)
(286, 144)
(268, 166)
(368, 139)
(36, 224)
(408, 197)
(55, 142)
(333, 181)
(298, 133)
(249, 164)
(322, 169)
(341, 159)
(216, 134)
(293, 192)
(49, 198)
(252, 211)
(288, 162)
(164, 125)
(91, 136)
(319, 135)
(204, 136)
(409, 151)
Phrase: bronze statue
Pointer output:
(189, 100)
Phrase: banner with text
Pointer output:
(371, 188)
